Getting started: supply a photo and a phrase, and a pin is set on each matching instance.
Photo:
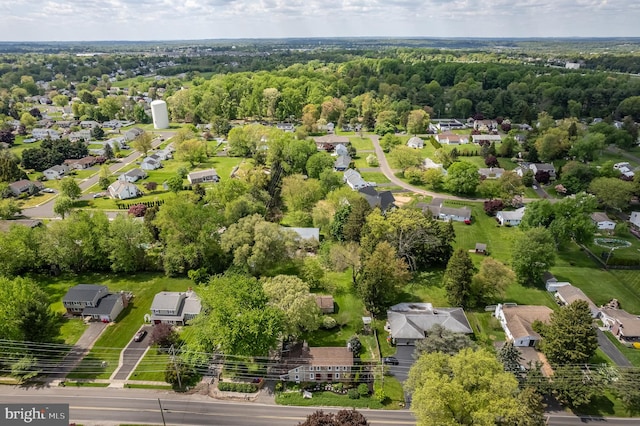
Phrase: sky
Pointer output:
(88, 20)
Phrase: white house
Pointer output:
(41, 134)
(510, 218)
(430, 164)
(354, 180)
(491, 172)
(415, 142)
(123, 190)
(621, 165)
(452, 139)
(517, 321)
(56, 172)
(176, 308)
(448, 214)
(203, 176)
(340, 150)
(602, 221)
(150, 163)
(635, 219)
(80, 135)
(132, 175)
(486, 138)
(545, 167)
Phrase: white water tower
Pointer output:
(159, 114)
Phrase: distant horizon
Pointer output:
(168, 20)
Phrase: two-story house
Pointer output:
(82, 296)
(175, 308)
(322, 364)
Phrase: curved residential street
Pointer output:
(45, 210)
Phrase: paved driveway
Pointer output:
(401, 371)
(80, 349)
(612, 351)
(132, 354)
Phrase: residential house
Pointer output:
(322, 364)
(149, 163)
(510, 218)
(132, 175)
(415, 142)
(383, 200)
(430, 164)
(491, 172)
(56, 172)
(329, 142)
(203, 176)
(26, 186)
(123, 190)
(119, 142)
(94, 301)
(341, 150)
(354, 180)
(286, 127)
(439, 211)
(81, 296)
(485, 125)
(42, 134)
(545, 167)
(408, 322)
(305, 233)
(517, 321)
(481, 139)
(635, 219)
(5, 225)
(551, 283)
(447, 138)
(622, 165)
(165, 154)
(326, 304)
(446, 124)
(132, 133)
(567, 294)
(175, 308)
(89, 124)
(81, 163)
(602, 221)
(623, 325)
(80, 135)
(108, 309)
(342, 163)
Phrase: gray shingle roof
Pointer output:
(105, 306)
(412, 320)
(84, 292)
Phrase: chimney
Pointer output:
(125, 301)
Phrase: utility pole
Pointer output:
(175, 365)
(162, 412)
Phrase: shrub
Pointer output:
(372, 160)
(237, 387)
(353, 394)
(338, 387)
(329, 323)
(151, 186)
(363, 389)
(138, 210)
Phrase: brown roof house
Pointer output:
(322, 364)
(516, 321)
(326, 304)
(329, 142)
(408, 322)
(622, 324)
(567, 294)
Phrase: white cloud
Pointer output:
(193, 19)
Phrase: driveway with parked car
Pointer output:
(133, 353)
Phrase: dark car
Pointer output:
(390, 360)
(139, 335)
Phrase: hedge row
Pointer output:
(237, 387)
(157, 203)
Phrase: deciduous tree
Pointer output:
(142, 143)
(70, 188)
(533, 253)
(491, 281)
(291, 295)
(441, 339)
(462, 178)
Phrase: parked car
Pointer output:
(49, 190)
(139, 335)
(390, 360)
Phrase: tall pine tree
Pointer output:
(457, 278)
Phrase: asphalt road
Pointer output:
(105, 406)
(612, 351)
(45, 210)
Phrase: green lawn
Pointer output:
(486, 327)
(394, 392)
(152, 366)
(118, 334)
(361, 161)
(19, 146)
(325, 399)
(632, 354)
(361, 143)
(71, 330)
(631, 253)
(377, 177)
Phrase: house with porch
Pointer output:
(622, 324)
(567, 294)
(175, 308)
(408, 322)
(322, 364)
(517, 321)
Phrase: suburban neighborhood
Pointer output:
(322, 236)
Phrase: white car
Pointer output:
(49, 190)
(535, 187)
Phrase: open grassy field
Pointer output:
(19, 146)
(118, 334)
(377, 177)
(361, 143)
